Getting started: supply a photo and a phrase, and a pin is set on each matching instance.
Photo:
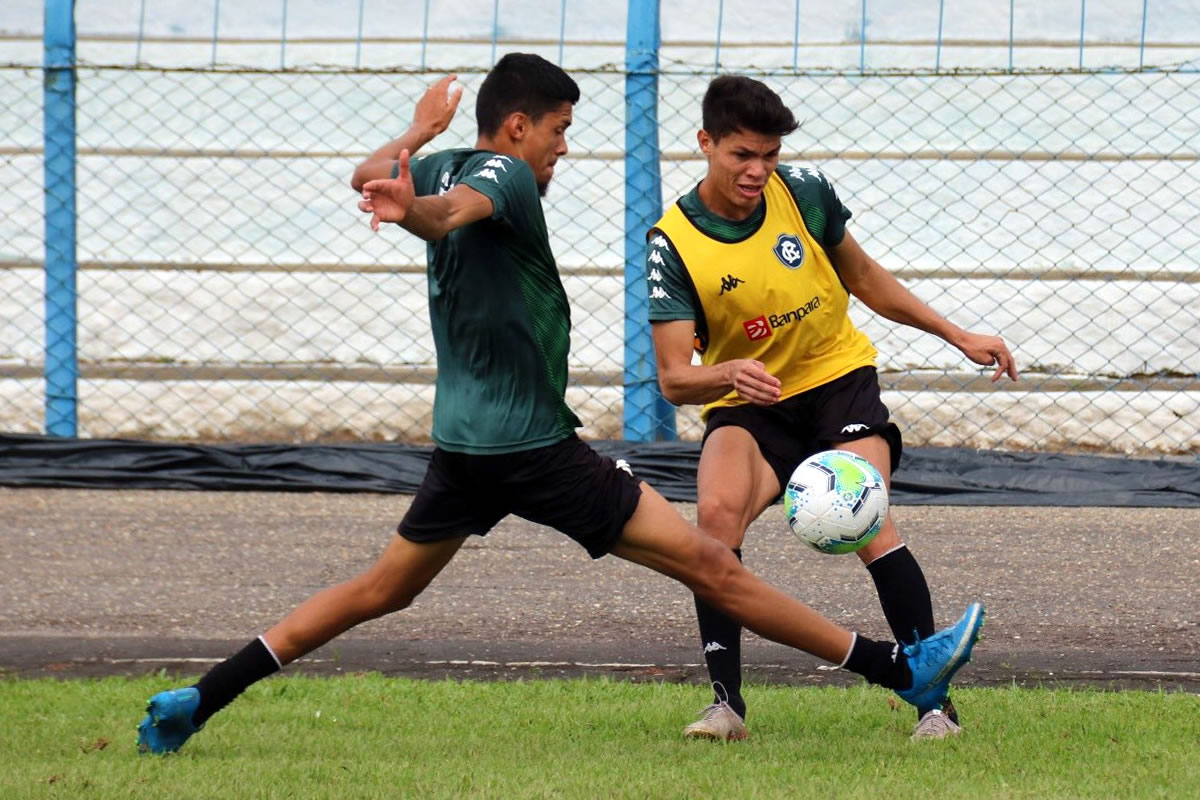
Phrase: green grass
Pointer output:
(367, 736)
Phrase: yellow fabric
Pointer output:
(791, 317)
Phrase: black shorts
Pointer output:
(790, 431)
(567, 486)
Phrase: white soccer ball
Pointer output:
(835, 502)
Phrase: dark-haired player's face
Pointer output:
(738, 167)
(546, 142)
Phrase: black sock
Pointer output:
(224, 682)
(881, 663)
(904, 595)
(721, 638)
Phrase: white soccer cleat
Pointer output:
(935, 725)
(718, 722)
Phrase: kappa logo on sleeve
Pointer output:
(488, 173)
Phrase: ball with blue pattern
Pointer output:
(835, 502)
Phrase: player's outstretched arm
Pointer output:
(683, 382)
(886, 296)
(429, 216)
(432, 115)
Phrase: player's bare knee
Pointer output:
(720, 519)
(716, 570)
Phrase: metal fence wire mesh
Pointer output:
(230, 290)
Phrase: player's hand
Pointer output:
(989, 350)
(389, 200)
(752, 382)
(436, 107)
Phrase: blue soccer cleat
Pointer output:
(168, 722)
(934, 661)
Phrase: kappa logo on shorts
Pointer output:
(789, 250)
(623, 464)
(757, 328)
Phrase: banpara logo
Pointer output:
(757, 328)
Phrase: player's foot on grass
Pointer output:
(947, 707)
(933, 661)
(935, 724)
(168, 722)
(718, 722)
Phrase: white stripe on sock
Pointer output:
(881, 555)
(278, 663)
(853, 641)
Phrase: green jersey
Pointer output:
(500, 317)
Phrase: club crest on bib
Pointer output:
(789, 250)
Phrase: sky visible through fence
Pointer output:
(1025, 167)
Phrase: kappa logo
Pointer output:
(659, 241)
(488, 173)
(655, 275)
(729, 283)
(622, 464)
(713, 647)
(803, 173)
(659, 293)
(757, 328)
(656, 258)
(789, 250)
(497, 163)
(854, 428)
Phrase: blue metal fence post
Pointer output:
(61, 358)
(648, 416)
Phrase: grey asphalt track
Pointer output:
(133, 582)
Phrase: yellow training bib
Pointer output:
(773, 297)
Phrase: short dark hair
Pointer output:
(737, 103)
(521, 82)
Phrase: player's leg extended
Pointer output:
(390, 584)
(899, 581)
(657, 537)
(734, 484)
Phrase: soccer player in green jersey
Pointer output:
(505, 439)
(754, 270)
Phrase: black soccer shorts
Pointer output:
(845, 409)
(567, 486)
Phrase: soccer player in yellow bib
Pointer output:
(753, 269)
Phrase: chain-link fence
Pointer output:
(228, 288)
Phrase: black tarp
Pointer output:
(927, 475)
